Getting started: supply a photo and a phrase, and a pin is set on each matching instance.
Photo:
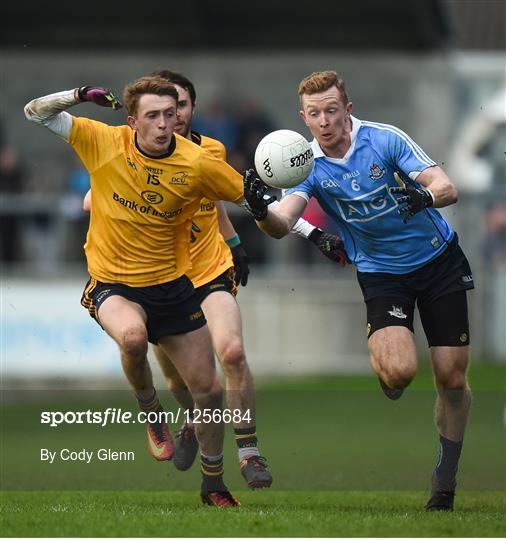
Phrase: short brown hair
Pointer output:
(146, 85)
(319, 81)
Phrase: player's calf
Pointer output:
(185, 448)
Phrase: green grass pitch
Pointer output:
(263, 514)
(346, 462)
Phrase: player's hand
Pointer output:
(256, 200)
(100, 96)
(411, 200)
(330, 245)
(241, 264)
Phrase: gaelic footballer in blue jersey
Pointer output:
(382, 190)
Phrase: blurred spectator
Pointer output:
(494, 281)
(71, 207)
(254, 124)
(2, 134)
(240, 131)
(316, 216)
(217, 123)
(11, 182)
(495, 226)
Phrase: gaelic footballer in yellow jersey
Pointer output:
(147, 182)
(210, 256)
(218, 268)
(141, 218)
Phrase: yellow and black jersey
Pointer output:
(210, 256)
(142, 205)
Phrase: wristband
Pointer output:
(233, 241)
(315, 235)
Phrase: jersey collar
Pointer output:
(196, 137)
(318, 152)
(170, 150)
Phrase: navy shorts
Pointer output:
(171, 308)
(438, 288)
(224, 282)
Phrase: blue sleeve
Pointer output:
(405, 155)
(304, 188)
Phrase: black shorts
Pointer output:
(171, 308)
(438, 288)
(224, 282)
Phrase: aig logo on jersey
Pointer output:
(368, 206)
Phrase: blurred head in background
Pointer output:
(186, 101)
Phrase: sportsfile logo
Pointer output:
(368, 206)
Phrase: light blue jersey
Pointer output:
(353, 191)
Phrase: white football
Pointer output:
(283, 159)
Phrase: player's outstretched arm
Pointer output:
(443, 191)
(233, 240)
(99, 95)
(50, 111)
(275, 222)
(281, 219)
(437, 190)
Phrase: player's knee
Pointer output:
(134, 342)
(454, 389)
(232, 355)
(216, 391)
(452, 380)
(399, 376)
(208, 393)
(175, 384)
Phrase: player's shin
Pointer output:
(452, 407)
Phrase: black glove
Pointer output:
(330, 245)
(256, 201)
(241, 264)
(100, 96)
(411, 201)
